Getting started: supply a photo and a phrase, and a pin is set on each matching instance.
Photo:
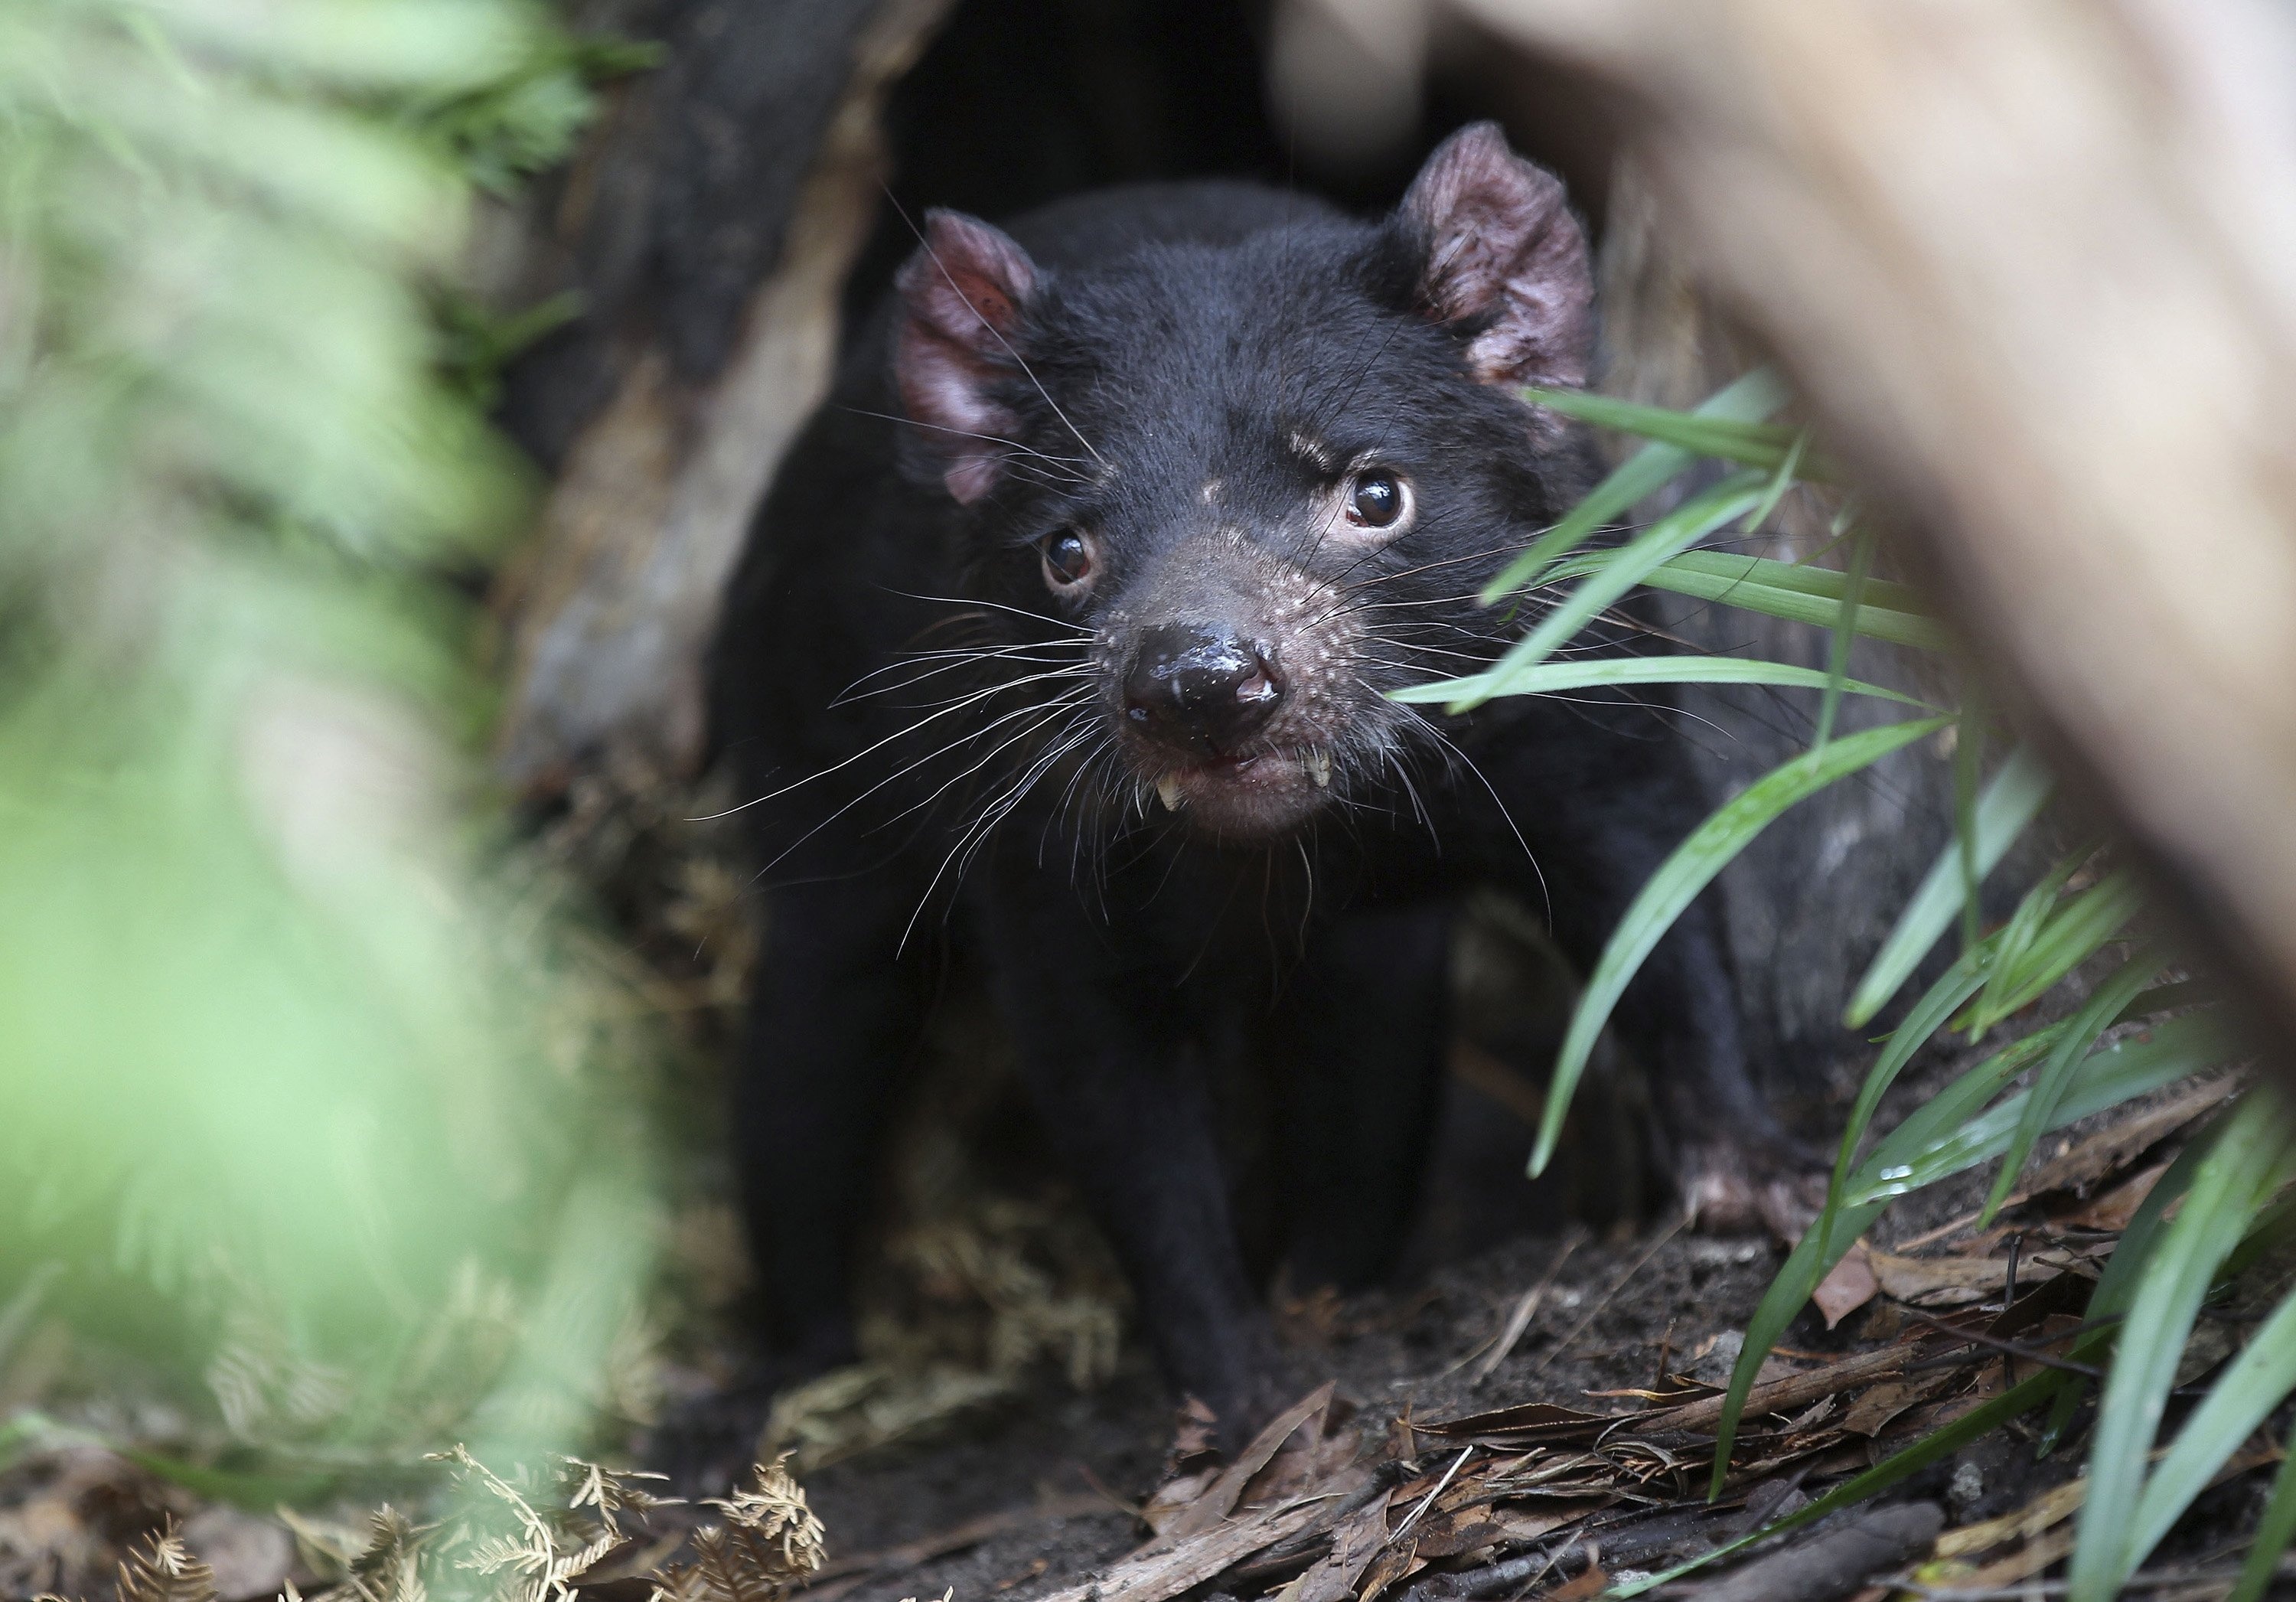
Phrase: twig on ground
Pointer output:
(2010, 1349)
(1834, 1562)
(1428, 1500)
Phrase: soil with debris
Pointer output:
(1543, 1377)
(1526, 1412)
(1064, 1474)
(1001, 1442)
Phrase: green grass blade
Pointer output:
(2019, 1399)
(1843, 1219)
(1680, 879)
(1902, 1164)
(2269, 1233)
(2259, 1380)
(1825, 584)
(1804, 1269)
(1845, 635)
(1968, 762)
(1747, 582)
(2011, 801)
(2125, 1267)
(2031, 915)
(1949, 1134)
(1619, 570)
(2103, 1078)
(2175, 994)
(1769, 446)
(2116, 1288)
(1603, 672)
(1643, 474)
(2095, 1016)
(2230, 1188)
(2086, 922)
(1955, 986)
(2274, 1532)
(1788, 474)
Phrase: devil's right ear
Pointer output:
(1502, 261)
(963, 294)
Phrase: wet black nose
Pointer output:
(1206, 689)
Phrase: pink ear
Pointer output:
(1504, 255)
(964, 291)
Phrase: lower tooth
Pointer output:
(1319, 768)
(1168, 791)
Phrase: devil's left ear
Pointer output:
(1503, 259)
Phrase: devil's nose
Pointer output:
(1200, 687)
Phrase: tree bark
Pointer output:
(712, 231)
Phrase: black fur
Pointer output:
(1172, 338)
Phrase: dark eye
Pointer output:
(1375, 499)
(1068, 559)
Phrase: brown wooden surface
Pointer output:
(609, 610)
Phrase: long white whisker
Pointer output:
(1018, 611)
(1019, 360)
(1413, 715)
(898, 773)
(966, 433)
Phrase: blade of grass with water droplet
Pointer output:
(1945, 1136)
(1846, 1217)
(1953, 987)
(2177, 1048)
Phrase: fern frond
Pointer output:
(163, 1570)
(770, 1542)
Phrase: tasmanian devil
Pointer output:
(1065, 632)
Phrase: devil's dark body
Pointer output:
(1185, 363)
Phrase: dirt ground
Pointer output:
(1395, 1354)
(1037, 1483)
(1007, 1438)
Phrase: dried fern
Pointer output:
(162, 1570)
(614, 1494)
(390, 1569)
(769, 1542)
(552, 1539)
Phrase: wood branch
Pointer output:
(611, 609)
(2031, 263)
(1835, 1562)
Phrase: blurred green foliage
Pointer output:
(307, 1098)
